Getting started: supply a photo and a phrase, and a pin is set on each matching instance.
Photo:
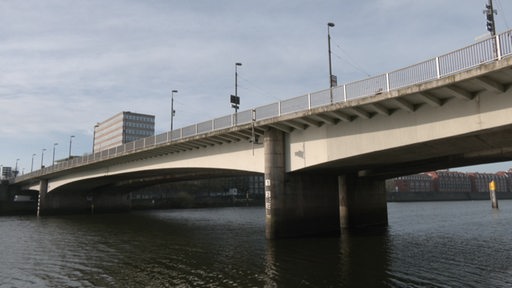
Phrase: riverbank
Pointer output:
(445, 196)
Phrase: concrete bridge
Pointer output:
(324, 155)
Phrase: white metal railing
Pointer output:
(367, 87)
(421, 72)
(485, 51)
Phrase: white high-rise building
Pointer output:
(122, 128)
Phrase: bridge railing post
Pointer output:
(438, 69)
(498, 46)
(387, 82)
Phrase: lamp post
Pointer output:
(332, 78)
(42, 156)
(491, 25)
(70, 141)
(489, 12)
(53, 158)
(235, 100)
(32, 165)
(172, 109)
(94, 137)
(16, 167)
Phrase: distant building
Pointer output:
(122, 128)
(6, 172)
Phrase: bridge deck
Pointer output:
(461, 74)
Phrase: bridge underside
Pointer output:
(490, 146)
(112, 193)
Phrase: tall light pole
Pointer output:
(491, 25)
(94, 137)
(16, 167)
(235, 100)
(172, 109)
(32, 165)
(42, 156)
(53, 158)
(332, 79)
(70, 141)
(489, 12)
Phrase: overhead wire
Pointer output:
(350, 62)
(252, 87)
(503, 15)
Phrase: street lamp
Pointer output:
(53, 158)
(32, 165)
(235, 100)
(489, 12)
(491, 25)
(70, 141)
(172, 109)
(42, 156)
(332, 79)
(94, 137)
(16, 168)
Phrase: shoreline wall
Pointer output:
(445, 196)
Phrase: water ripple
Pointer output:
(459, 244)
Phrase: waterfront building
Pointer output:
(450, 182)
(122, 128)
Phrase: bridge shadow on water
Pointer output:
(353, 260)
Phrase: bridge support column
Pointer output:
(41, 199)
(273, 142)
(297, 204)
(362, 202)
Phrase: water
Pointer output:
(434, 244)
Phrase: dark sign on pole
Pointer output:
(235, 100)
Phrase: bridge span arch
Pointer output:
(112, 192)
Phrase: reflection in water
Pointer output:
(365, 258)
(355, 260)
(303, 262)
(456, 244)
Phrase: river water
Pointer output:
(430, 244)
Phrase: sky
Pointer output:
(66, 65)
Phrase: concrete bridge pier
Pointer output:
(362, 202)
(317, 203)
(297, 204)
(41, 199)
